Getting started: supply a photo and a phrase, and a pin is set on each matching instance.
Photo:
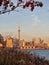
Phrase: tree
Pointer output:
(1, 39)
(8, 5)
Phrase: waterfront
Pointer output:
(41, 53)
(11, 56)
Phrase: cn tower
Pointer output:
(19, 32)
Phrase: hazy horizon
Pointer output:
(32, 24)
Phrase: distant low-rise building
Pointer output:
(48, 44)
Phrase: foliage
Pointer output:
(1, 39)
(17, 57)
(8, 5)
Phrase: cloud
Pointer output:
(36, 21)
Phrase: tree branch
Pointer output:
(9, 6)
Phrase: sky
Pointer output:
(32, 24)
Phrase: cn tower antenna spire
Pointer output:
(19, 32)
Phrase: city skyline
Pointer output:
(32, 24)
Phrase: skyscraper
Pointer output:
(19, 32)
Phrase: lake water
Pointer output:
(41, 53)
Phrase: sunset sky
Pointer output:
(32, 24)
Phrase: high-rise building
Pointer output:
(19, 32)
(9, 43)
